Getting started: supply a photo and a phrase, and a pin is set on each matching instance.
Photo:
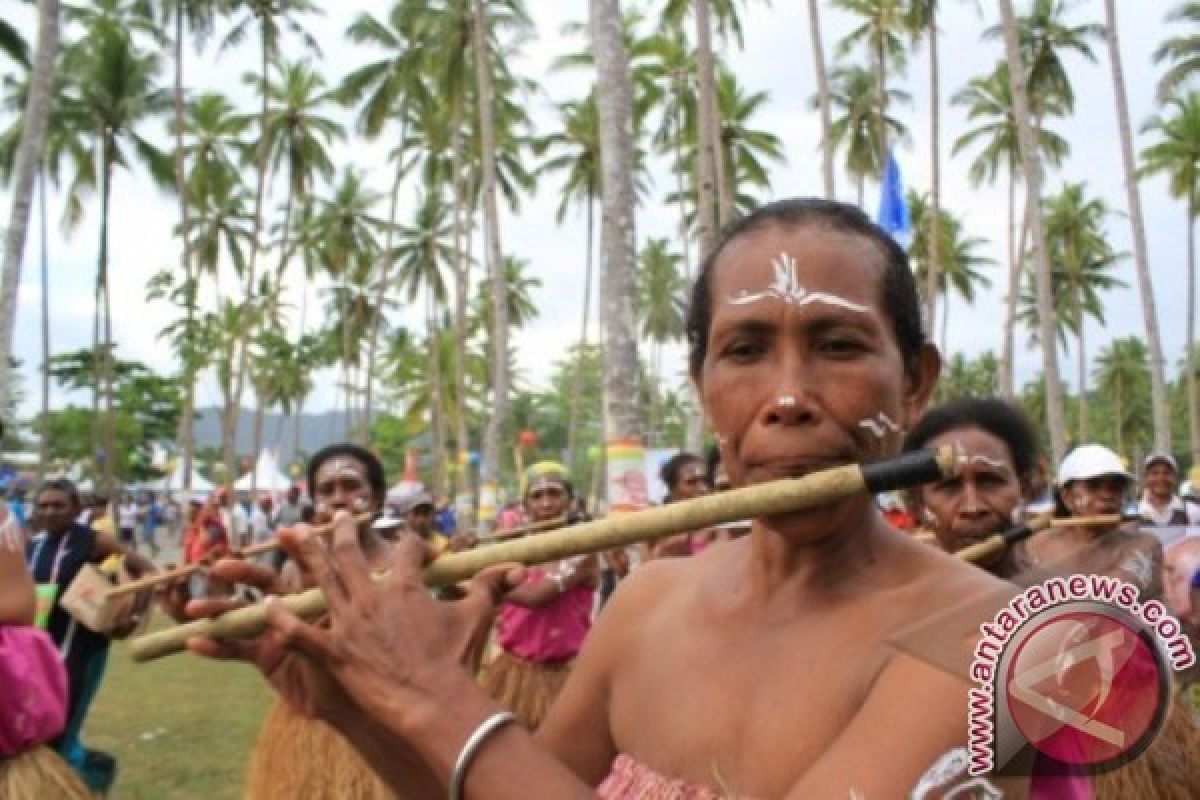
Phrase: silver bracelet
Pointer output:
(486, 728)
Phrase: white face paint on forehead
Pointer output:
(341, 468)
(879, 425)
(980, 458)
(785, 286)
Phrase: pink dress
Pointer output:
(552, 633)
(629, 780)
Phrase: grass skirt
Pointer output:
(300, 758)
(524, 687)
(39, 773)
(1168, 770)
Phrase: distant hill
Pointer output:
(316, 431)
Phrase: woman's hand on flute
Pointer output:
(395, 650)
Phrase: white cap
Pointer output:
(1090, 461)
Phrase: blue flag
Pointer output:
(893, 210)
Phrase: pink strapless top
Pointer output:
(629, 780)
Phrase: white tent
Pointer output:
(266, 476)
(174, 481)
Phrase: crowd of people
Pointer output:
(752, 659)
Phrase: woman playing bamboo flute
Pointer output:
(999, 455)
(297, 755)
(543, 622)
(761, 668)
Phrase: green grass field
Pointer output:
(181, 727)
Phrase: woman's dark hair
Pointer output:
(712, 460)
(1003, 420)
(673, 466)
(362, 455)
(899, 291)
(60, 485)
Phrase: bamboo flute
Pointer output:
(614, 531)
(997, 543)
(179, 573)
(534, 527)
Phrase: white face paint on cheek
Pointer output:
(879, 425)
(785, 286)
(360, 504)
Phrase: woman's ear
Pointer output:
(920, 381)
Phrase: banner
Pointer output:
(627, 486)
(487, 502)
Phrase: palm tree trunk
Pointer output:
(694, 432)
(710, 111)
(1007, 390)
(1190, 359)
(1119, 406)
(495, 260)
(43, 443)
(617, 240)
(862, 187)
(230, 421)
(935, 186)
(823, 101)
(1141, 257)
(381, 296)
(577, 378)
(258, 435)
(437, 404)
(29, 156)
(1083, 386)
(945, 324)
(462, 436)
(707, 219)
(184, 435)
(1031, 161)
(106, 350)
(881, 92)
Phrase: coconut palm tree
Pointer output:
(988, 100)
(879, 25)
(661, 289)
(824, 100)
(577, 148)
(962, 264)
(424, 249)
(614, 98)
(388, 90)
(112, 92)
(196, 17)
(746, 152)
(1121, 374)
(1083, 257)
(1032, 166)
(1175, 153)
(1141, 257)
(272, 18)
(1181, 52)
(29, 156)
(857, 122)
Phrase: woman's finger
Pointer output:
(408, 557)
(291, 631)
(248, 573)
(487, 589)
(347, 553)
(222, 650)
(313, 557)
(210, 607)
